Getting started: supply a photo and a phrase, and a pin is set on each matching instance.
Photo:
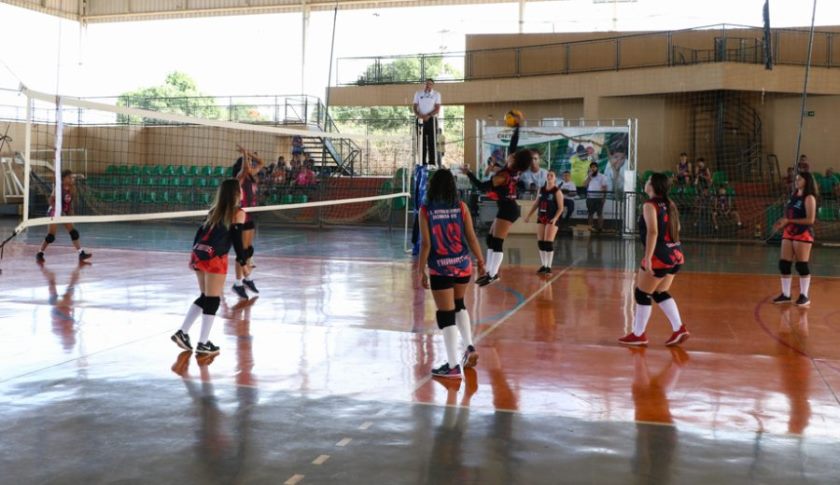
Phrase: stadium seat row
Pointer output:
(202, 198)
(169, 170)
(152, 181)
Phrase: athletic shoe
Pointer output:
(83, 256)
(240, 291)
(541, 270)
(678, 337)
(39, 258)
(482, 280)
(803, 301)
(489, 281)
(547, 270)
(445, 371)
(781, 299)
(206, 348)
(470, 358)
(632, 339)
(250, 285)
(182, 340)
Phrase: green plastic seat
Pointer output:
(122, 169)
(111, 170)
(107, 195)
(164, 181)
(287, 199)
(690, 191)
(826, 213)
(206, 171)
(187, 182)
(169, 170)
(175, 181)
(205, 198)
(181, 170)
(720, 178)
(200, 182)
(135, 170)
(300, 199)
(646, 175)
(215, 182)
(180, 197)
(192, 171)
(220, 171)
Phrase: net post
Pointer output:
(58, 202)
(27, 152)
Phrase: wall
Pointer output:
(819, 137)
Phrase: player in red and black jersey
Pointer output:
(68, 191)
(502, 188)
(659, 229)
(798, 237)
(246, 169)
(209, 259)
(550, 207)
(447, 236)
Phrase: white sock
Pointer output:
(247, 278)
(549, 258)
(542, 258)
(450, 339)
(206, 325)
(804, 285)
(497, 263)
(462, 321)
(669, 308)
(488, 260)
(237, 283)
(786, 285)
(81, 250)
(641, 318)
(192, 316)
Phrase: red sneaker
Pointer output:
(632, 339)
(678, 337)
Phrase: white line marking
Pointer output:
(293, 479)
(320, 460)
(344, 442)
(366, 425)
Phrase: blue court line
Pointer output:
(519, 299)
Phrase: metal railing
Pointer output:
(715, 43)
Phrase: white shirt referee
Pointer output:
(426, 108)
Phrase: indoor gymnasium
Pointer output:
(419, 242)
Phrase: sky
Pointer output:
(261, 54)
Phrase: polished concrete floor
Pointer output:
(325, 377)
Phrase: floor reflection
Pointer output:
(63, 308)
(795, 366)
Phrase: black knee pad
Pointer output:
(495, 243)
(445, 318)
(249, 252)
(785, 266)
(199, 302)
(660, 296)
(642, 298)
(802, 268)
(459, 305)
(211, 304)
(546, 246)
(74, 235)
(50, 238)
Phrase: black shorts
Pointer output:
(508, 210)
(438, 282)
(594, 206)
(663, 272)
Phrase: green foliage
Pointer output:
(179, 94)
(409, 69)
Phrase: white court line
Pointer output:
(293, 479)
(344, 442)
(320, 460)
(366, 425)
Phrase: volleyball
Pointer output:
(514, 117)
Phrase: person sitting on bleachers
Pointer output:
(828, 183)
(684, 171)
(724, 208)
(306, 178)
(702, 175)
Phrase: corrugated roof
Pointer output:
(98, 11)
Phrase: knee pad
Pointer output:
(785, 267)
(445, 318)
(495, 243)
(642, 298)
(74, 235)
(459, 305)
(211, 304)
(199, 302)
(546, 246)
(660, 296)
(50, 238)
(802, 268)
(249, 252)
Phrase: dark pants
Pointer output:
(569, 207)
(429, 145)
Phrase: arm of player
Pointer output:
(514, 140)
(652, 234)
(534, 208)
(560, 206)
(472, 240)
(425, 250)
(483, 186)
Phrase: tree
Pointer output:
(409, 69)
(179, 94)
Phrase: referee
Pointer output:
(426, 108)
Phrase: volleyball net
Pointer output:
(131, 164)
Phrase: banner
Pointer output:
(565, 149)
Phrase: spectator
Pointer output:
(282, 163)
(702, 176)
(426, 107)
(828, 183)
(617, 165)
(569, 193)
(306, 177)
(534, 179)
(297, 145)
(597, 186)
(495, 162)
(278, 177)
(704, 205)
(579, 163)
(803, 165)
(723, 207)
(684, 171)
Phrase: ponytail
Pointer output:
(673, 219)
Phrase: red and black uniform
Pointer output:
(449, 259)
(66, 203)
(505, 195)
(548, 206)
(667, 254)
(212, 245)
(796, 210)
(249, 196)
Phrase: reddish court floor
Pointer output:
(324, 378)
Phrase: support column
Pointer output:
(304, 29)
(591, 107)
(521, 16)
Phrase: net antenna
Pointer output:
(805, 87)
(140, 165)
